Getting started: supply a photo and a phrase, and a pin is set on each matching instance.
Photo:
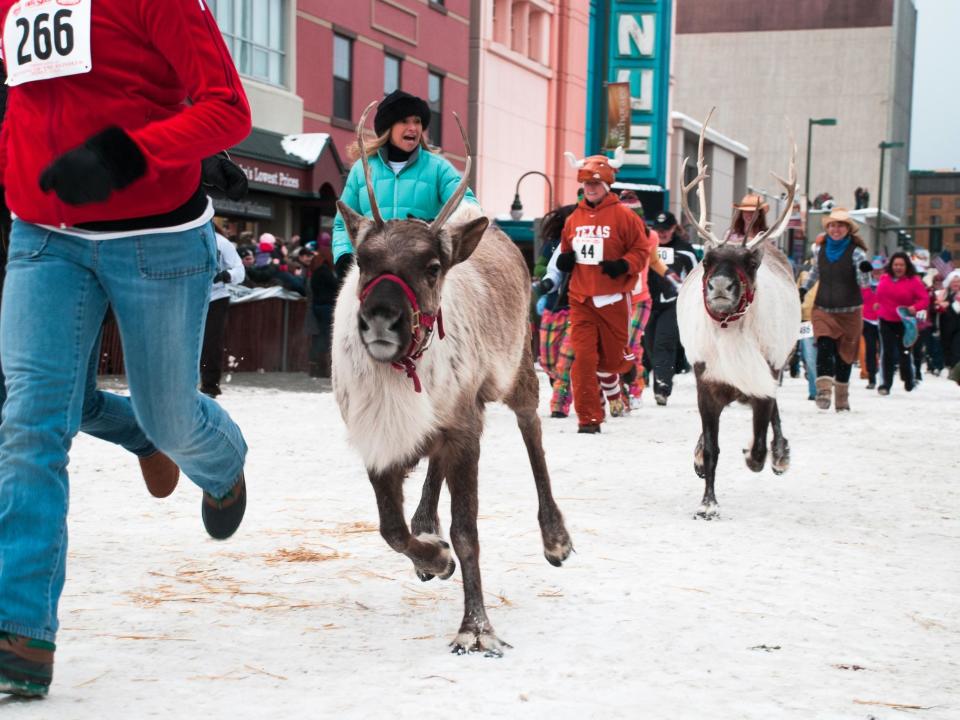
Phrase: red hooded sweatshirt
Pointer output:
(621, 234)
(148, 57)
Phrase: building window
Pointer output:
(956, 239)
(934, 219)
(936, 203)
(255, 34)
(435, 101)
(342, 78)
(391, 74)
(956, 203)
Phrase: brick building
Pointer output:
(311, 66)
(935, 202)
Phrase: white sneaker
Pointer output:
(636, 403)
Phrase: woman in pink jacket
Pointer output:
(900, 287)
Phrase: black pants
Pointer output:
(211, 355)
(871, 338)
(893, 353)
(829, 362)
(660, 340)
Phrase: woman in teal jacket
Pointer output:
(408, 179)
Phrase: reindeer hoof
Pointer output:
(478, 642)
(754, 463)
(425, 576)
(559, 550)
(442, 566)
(708, 511)
(781, 459)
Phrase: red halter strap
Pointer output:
(421, 330)
(746, 299)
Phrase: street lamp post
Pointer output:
(810, 123)
(516, 208)
(884, 146)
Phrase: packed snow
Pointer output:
(829, 592)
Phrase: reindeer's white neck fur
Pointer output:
(387, 420)
(742, 354)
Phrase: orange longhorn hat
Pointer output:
(597, 167)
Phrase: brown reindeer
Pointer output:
(411, 383)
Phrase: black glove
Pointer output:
(865, 266)
(566, 261)
(803, 293)
(614, 268)
(545, 286)
(106, 162)
(221, 172)
(222, 277)
(343, 264)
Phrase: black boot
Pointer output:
(222, 517)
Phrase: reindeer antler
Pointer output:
(703, 227)
(791, 187)
(451, 204)
(374, 208)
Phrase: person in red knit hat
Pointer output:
(604, 246)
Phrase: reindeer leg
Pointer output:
(523, 401)
(712, 398)
(461, 457)
(698, 458)
(426, 521)
(429, 553)
(780, 446)
(756, 454)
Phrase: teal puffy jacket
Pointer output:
(420, 189)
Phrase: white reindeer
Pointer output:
(405, 393)
(739, 319)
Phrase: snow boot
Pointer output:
(841, 396)
(222, 516)
(160, 473)
(589, 429)
(824, 391)
(26, 665)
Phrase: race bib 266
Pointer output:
(44, 39)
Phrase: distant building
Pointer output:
(311, 66)
(935, 201)
(769, 66)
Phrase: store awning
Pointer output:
(294, 165)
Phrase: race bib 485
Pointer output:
(44, 39)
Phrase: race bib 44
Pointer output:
(589, 250)
(44, 39)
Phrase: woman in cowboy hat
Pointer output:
(842, 268)
(751, 212)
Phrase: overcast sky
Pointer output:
(935, 139)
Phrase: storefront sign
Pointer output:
(243, 208)
(272, 174)
(638, 54)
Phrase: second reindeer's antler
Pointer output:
(703, 227)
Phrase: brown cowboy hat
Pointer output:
(840, 215)
(751, 202)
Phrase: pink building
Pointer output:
(529, 100)
(311, 66)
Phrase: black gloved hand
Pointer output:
(221, 172)
(106, 162)
(614, 268)
(803, 293)
(865, 266)
(545, 286)
(343, 264)
(222, 277)
(566, 261)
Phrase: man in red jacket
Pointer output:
(604, 246)
(100, 160)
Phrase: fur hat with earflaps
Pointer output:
(597, 167)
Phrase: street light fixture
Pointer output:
(516, 207)
(810, 123)
(884, 146)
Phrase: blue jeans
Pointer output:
(57, 291)
(105, 415)
(808, 351)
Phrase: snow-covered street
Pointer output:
(829, 592)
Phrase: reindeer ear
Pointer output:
(465, 238)
(355, 223)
